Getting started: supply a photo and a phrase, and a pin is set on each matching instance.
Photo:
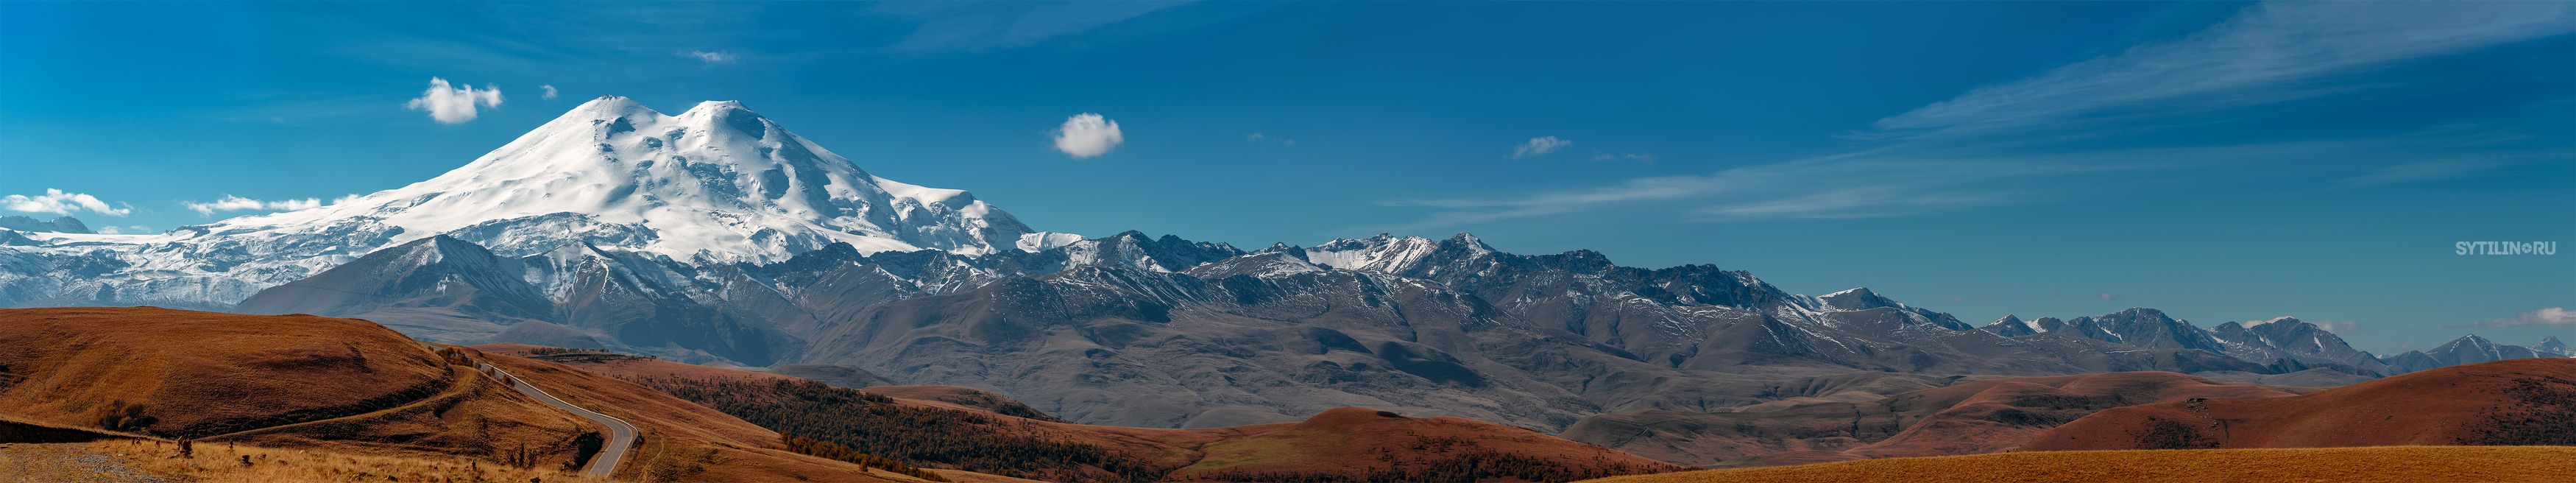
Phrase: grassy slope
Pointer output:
(356, 390)
(1981, 416)
(290, 381)
(204, 373)
(220, 463)
(2436, 406)
(2371, 464)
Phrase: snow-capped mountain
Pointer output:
(715, 184)
(2551, 347)
(2137, 326)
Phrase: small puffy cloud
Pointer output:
(121, 230)
(548, 91)
(236, 203)
(60, 203)
(2547, 316)
(454, 105)
(717, 57)
(1539, 146)
(2106, 296)
(1647, 158)
(1259, 138)
(1088, 135)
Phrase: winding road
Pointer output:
(621, 436)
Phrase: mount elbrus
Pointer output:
(717, 236)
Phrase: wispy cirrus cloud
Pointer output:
(979, 26)
(2337, 326)
(1857, 185)
(2421, 171)
(1988, 146)
(2263, 54)
(1648, 158)
(717, 57)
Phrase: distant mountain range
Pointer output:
(717, 236)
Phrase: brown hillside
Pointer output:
(297, 381)
(346, 385)
(142, 461)
(1371, 445)
(2340, 465)
(1970, 417)
(202, 373)
(2451, 405)
(955, 427)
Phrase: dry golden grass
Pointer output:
(2362, 464)
(131, 460)
(203, 373)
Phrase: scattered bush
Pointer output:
(2536, 411)
(2162, 433)
(1467, 466)
(833, 451)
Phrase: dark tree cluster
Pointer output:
(2538, 411)
(455, 356)
(827, 450)
(578, 356)
(548, 351)
(121, 416)
(1467, 466)
(873, 424)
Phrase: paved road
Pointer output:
(621, 436)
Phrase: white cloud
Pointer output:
(60, 203)
(548, 89)
(2547, 316)
(1259, 138)
(1087, 135)
(710, 57)
(1539, 146)
(2265, 53)
(2106, 296)
(120, 230)
(454, 105)
(236, 203)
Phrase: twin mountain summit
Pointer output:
(716, 236)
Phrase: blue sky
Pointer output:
(2220, 161)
